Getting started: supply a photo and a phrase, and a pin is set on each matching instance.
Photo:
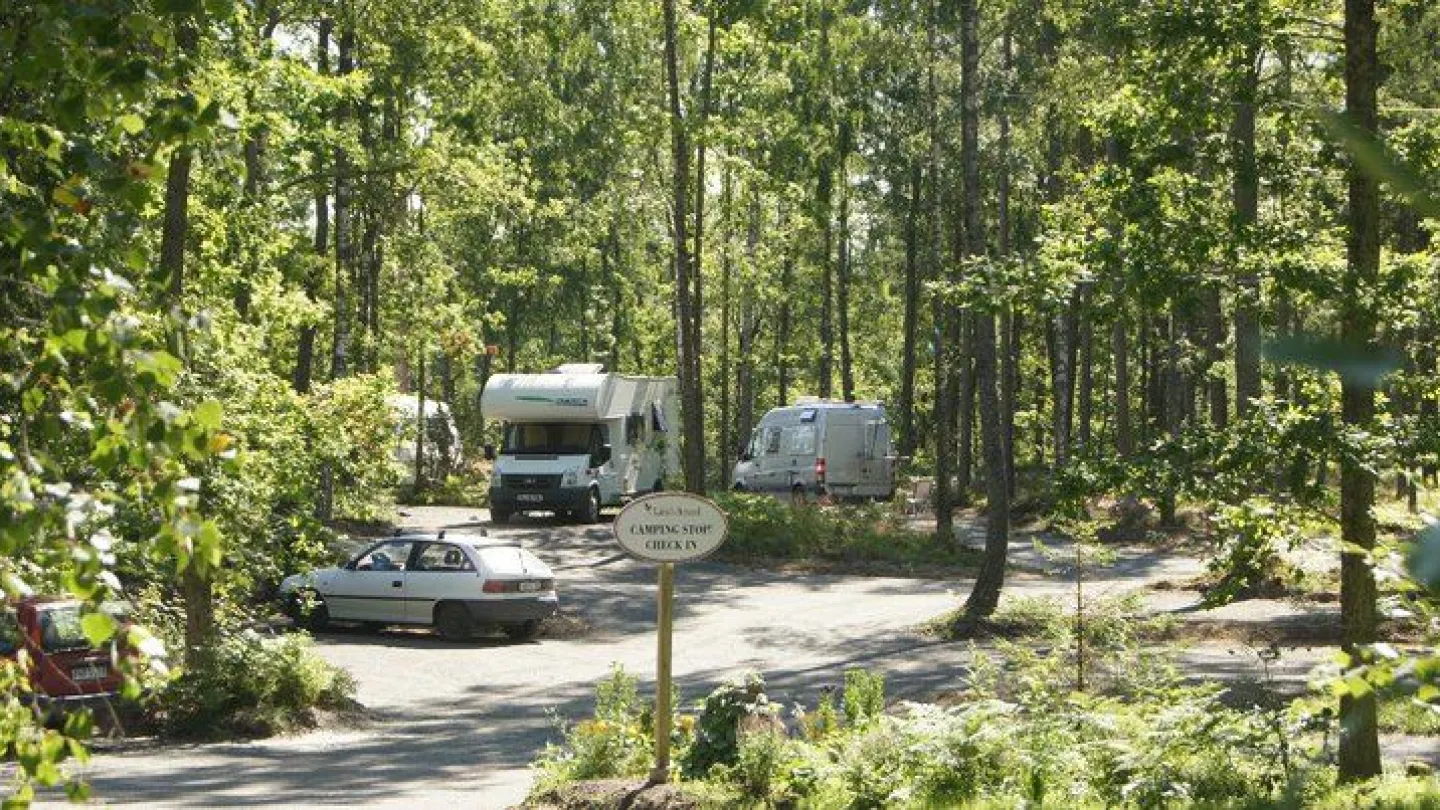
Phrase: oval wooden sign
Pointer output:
(671, 527)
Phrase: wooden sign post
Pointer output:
(666, 528)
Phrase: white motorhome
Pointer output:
(577, 439)
(820, 448)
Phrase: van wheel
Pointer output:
(590, 512)
(452, 621)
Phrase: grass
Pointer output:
(1400, 714)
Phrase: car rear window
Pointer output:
(61, 628)
(512, 561)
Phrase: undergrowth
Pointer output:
(766, 528)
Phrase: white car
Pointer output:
(457, 583)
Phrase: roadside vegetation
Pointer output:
(1127, 256)
(874, 538)
(1018, 734)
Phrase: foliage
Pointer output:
(718, 723)
(1250, 538)
(766, 528)
(615, 742)
(1157, 744)
(254, 685)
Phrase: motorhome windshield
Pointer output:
(552, 438)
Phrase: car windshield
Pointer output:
(553, 438)
(61, 627)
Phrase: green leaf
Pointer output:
(209, 414)
(98, 627)
(131, 123)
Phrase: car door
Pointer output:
(438, 571)
(373, 588)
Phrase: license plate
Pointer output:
(91, 673)
(530, 497)
(529, 587)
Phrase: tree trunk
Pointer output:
(782, 329)
(686, 316)
(965, 412)
(749, 327)
(340, 349)
(1246, 194)
(946, 360)
(1119, 337)
(824, 191)
(1359, 753)
(1086, 395)
(726, 238)
(305, 353)
(1009, 332)
(912, 313)
(420, 423)
(195, 584)
(991, 578)
(842, 269)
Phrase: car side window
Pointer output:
(442, 557)
(9, 633)
(389, 556)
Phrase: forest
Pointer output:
(1175, 255)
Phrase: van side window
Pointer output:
(798, 441)
(772, 441)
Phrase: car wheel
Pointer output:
(452, 621)
(498, 515)
(523, 631)
(590, 513)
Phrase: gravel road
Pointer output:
(457, 724)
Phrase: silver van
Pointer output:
(818, 448)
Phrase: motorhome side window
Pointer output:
(772, 441)
(634, 428)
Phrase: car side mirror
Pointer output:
(600, 457)
(489, 451)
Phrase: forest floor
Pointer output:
(458, 724)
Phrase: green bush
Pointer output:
(717, 731)
(616, 742)
(765, 527)
(250, 684)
